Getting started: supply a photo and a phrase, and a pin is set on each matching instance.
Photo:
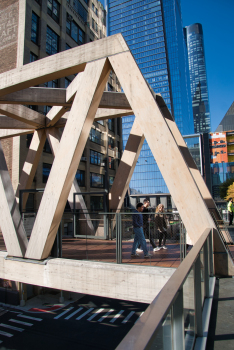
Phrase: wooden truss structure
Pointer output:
(75, 109)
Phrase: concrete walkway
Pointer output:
(221, 330)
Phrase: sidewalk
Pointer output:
(221, 329)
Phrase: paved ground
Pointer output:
(85, 324)
(221, 330)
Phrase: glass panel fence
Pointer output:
(101, 237)
(202, 276)
(163, 336)
(189, 311)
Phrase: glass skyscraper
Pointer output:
(198, 79)
(154, 33)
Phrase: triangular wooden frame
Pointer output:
(95, 60)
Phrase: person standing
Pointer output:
(161, 225)
(139, 238)
(146, 218)
(230, 208)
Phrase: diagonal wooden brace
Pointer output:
(66, 162)
(10, 220)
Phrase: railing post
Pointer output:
(198, 297)
(206, 269)
(118, 239)
(178, 322)
(210, 246)
(106, 226)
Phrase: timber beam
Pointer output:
(61, 64)
(57, 97)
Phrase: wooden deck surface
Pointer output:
(105, 251)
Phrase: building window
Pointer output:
(100, 122)
(96, 136)
(30, 203)
(95, 10)
(33, 107)
(119, 123)
(28, 140)
(74, 30)
(80, 177)
(94, 25)
(96, 180)
(46, 109)
(33, 57)
(53, 9)
(47, 148)
(158, 200)
(51, 84)
(110, 142)
(79, 8)
(111, 180)
(67, 82)
(111, 124)
(46, 172)
(68, 47)
(169, 204)
(35, 28)
(52, 42)
(96, 157)
(96, 203)
(110, 87)
(111, 163)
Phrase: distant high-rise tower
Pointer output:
(198, 78)
(153, 31)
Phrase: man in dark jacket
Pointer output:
(139, 238)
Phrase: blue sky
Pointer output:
(216, 18)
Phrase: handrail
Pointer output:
(143, 331)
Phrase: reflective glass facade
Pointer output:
(220, 172)
(194, 145)
(153, 30)
(198, 79)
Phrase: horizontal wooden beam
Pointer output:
(9, 123)
(5, 134)
(23, 114)
(61, 64)
(114, 100)
(106, 113)
(124, 282)
(37, 96)
(57, 97)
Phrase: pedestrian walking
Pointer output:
(161, 226)
(139, 238)
(230, 208)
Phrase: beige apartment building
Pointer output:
(52, 26)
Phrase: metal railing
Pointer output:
(178, 318)
(224, 235)
(121, 229)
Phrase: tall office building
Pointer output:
(154, 32)
(198, 78)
